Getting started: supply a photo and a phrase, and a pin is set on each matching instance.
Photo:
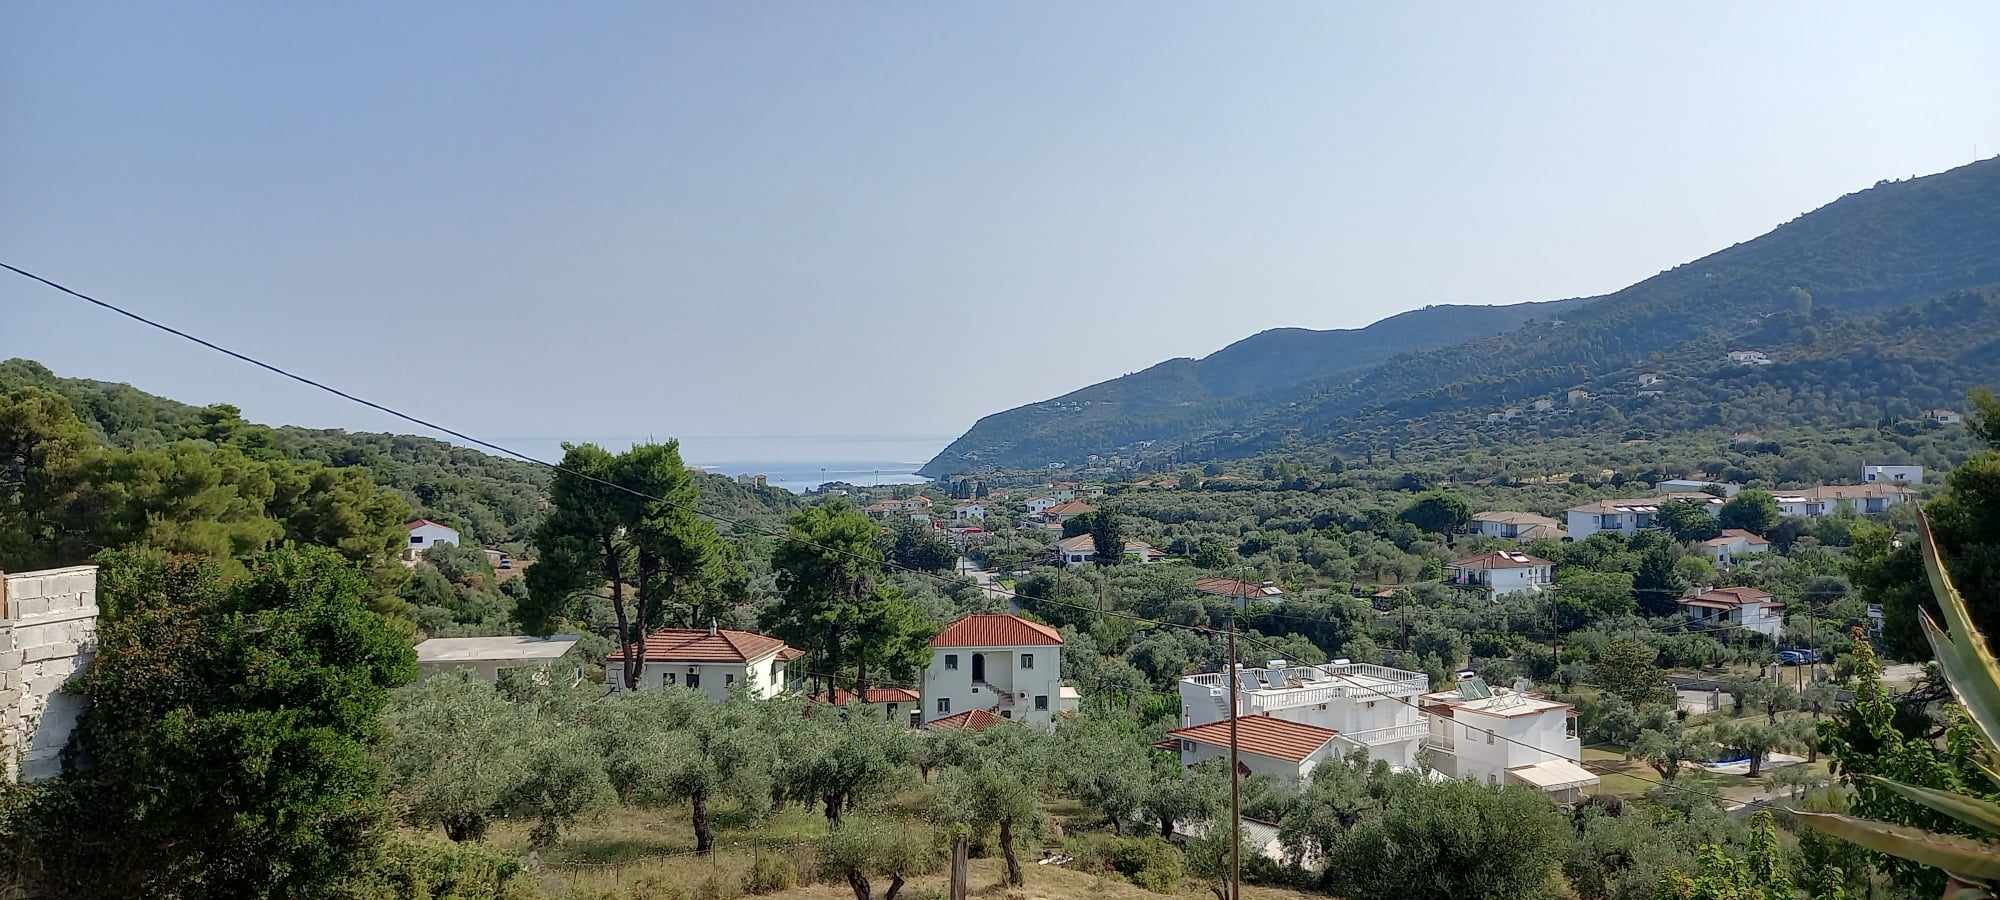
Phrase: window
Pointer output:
(777, 672)
(1371, 705)
(416, 539)
(1027, 660)
(1041, 702)
(892, 709)
(1569, 727)
(944, 705)
(667, 679)
(1006, 714)
(728, 678)
(1187, 746)
(1489, 737)
(951, 662)
(694, 680)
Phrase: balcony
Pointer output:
(1393, 734)
(1270, 690)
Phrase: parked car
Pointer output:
(1794, 657)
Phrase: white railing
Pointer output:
(1393, 734)
(1313, 685)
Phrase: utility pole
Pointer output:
(1235, 780)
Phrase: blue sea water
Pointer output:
(796, 463)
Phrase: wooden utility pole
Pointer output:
(1235, 780)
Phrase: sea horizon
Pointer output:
(797, 463)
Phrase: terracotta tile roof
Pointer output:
(995, 630)
(414, 524)
(1720, 598)
(1500, 559)
(1509, 517)
(1262, 735)
(1072, 508)
(1851, 491)
(970, 720)
(1078, 543)
(698, 645)
(874, 695)
(1230, 587)
(1730, 535)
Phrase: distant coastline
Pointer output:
(797, 463)
(799, 477)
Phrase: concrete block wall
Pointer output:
(48, 636)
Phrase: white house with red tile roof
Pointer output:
(897, 705)
(425, 534)
(1370, 707)
(1748, 607)
(1240, 593)
(713, 661)
(1004, 664)
(970, 720)
(1071, 551)
(1732, 545)
(1285, 750)
(1067, 509)
(1503, 572)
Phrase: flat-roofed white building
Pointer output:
(1370, 707)
(486, 657)
(1501, 736)
(1911, 475)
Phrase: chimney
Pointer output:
(711, 628)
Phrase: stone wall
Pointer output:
(48, 635)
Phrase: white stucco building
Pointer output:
(1004, 664)
(487, 657)
(425, 534)
(1912, 475)
(1627, 516)
(1282, 749)
(1732, 545)
(1072, 551)
(1748, 607)
(1370, 707)
(713, 661)
(1503, 572)
(1831, 499)
(969, 512)
(1516, 526)
(1499, 736)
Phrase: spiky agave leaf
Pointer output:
(1963, 858)
(1982, 814)
(1968, 666)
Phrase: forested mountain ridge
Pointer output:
(1896, 243)
(493, 499)
(1185, 395)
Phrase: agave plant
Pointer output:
(1974, 865)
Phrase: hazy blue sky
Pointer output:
(746, 219)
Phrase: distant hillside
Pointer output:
(1893, 244)
(493, 499)
(1188, 396)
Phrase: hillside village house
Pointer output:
(1283, 750)
(1356, 705)
(900, 705)
(1749, 358)
(1748, 607)
(1649, 379)
(487, 657)
(1830, 499)
(1071, 551)
(1543, 405)
(882, 509)
(1577, 395)
(1893, 474)
(1143, 553)
(425, 534)
(1732, 545)
(969, 512)
(1067, 509)
(1626, 517)
(1502, 572)
(713, 661)
(1241, 592)
(1497, 736)
(1696, 486)
(1943, 416)
(1038, 505)
(1003, 664)
(1519, 526)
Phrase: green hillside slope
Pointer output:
(1893, 244)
